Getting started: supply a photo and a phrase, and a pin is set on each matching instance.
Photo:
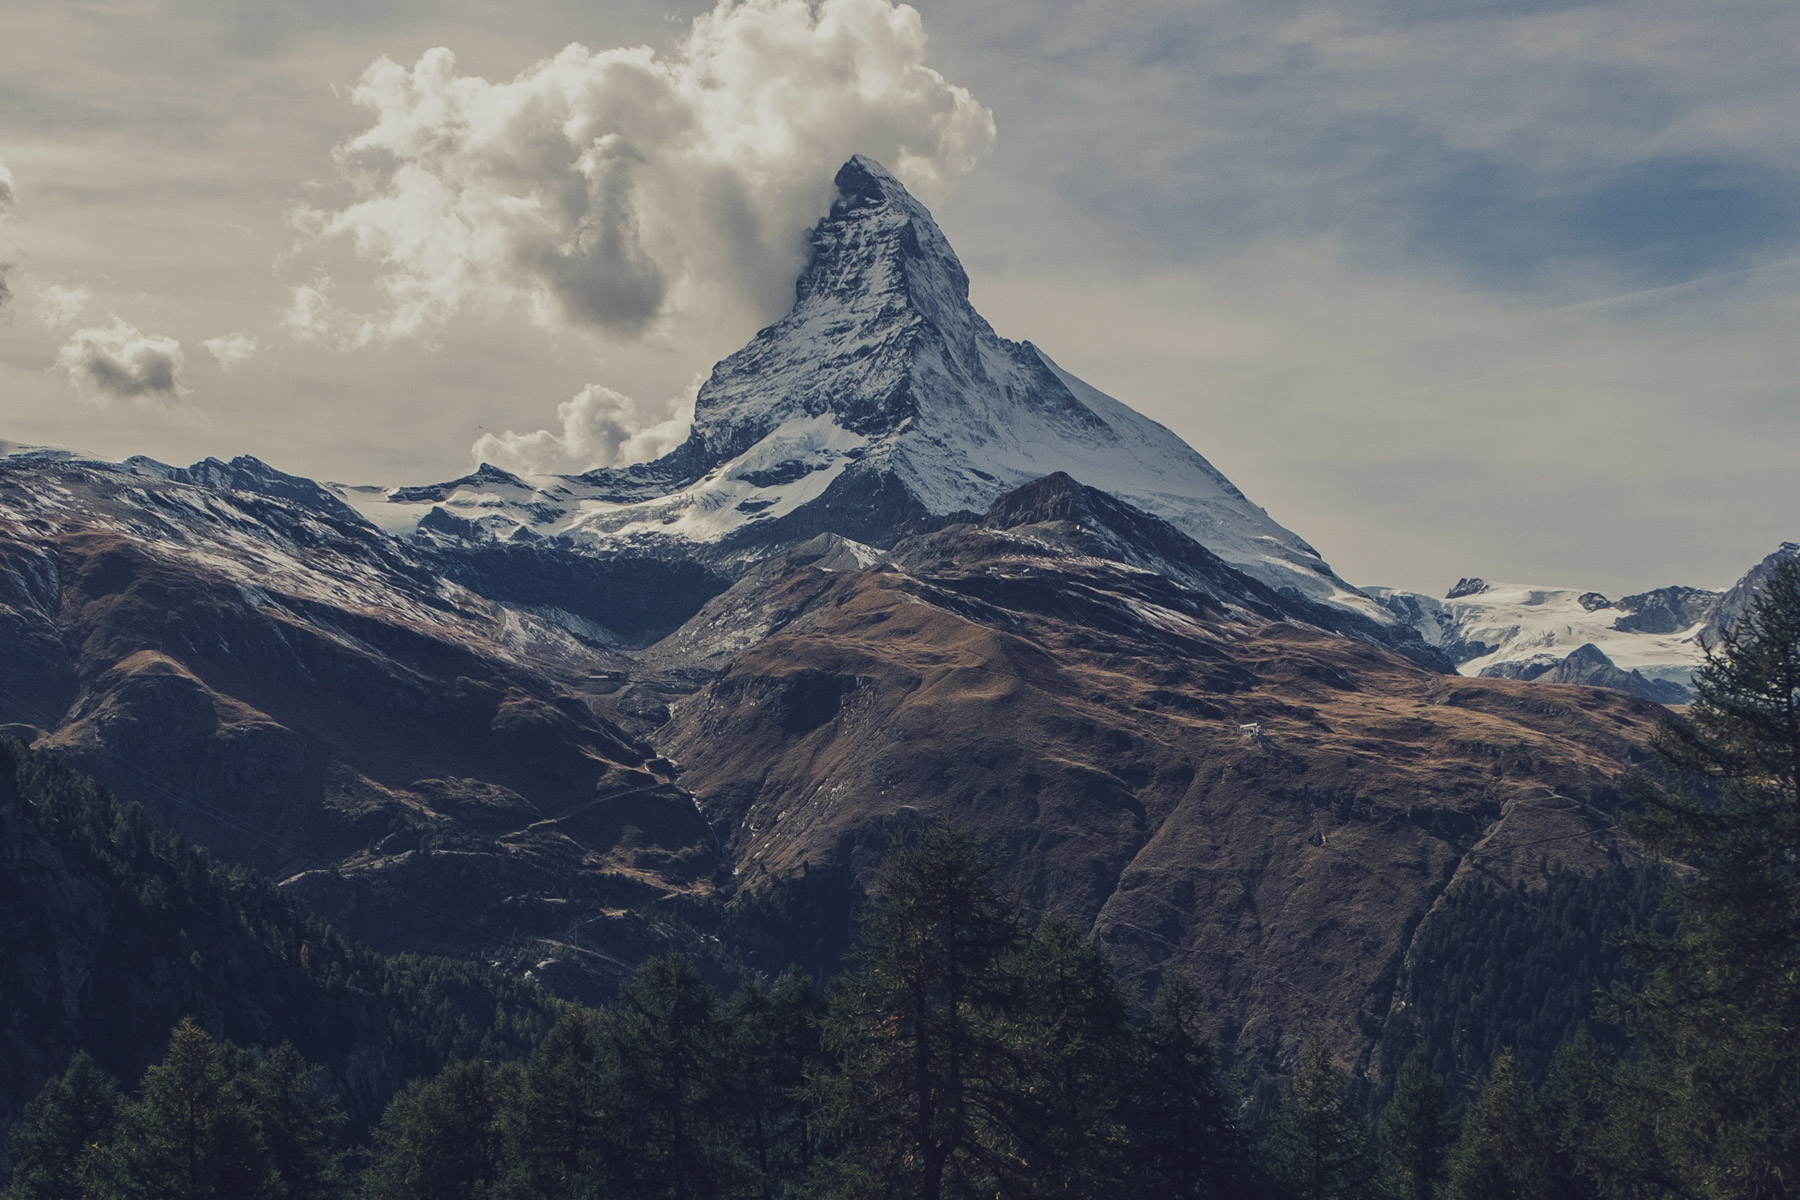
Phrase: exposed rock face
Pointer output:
(1466, 586)
(1666, 610)
(1736, 601)
(1025, 676)
(1588, 665)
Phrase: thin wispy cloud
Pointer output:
(59, 307)
(231, 350)
(7, 200)
(597, 427)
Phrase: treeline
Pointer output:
(960, 1049)
(961, 1056)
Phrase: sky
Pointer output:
(1508, 289)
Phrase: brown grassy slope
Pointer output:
(1087, 717)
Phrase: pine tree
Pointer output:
(911, 1031)
(1056, 1107)
(1319, 1148)
(774, 1045)
(298, 1123)
(69, 1120)
(1184, 1142)
(668, 1044)
(438, 1139)
(1501, 1152)
(1587, 1155)
(1414, 1133)
(191, 1135)
(1715, 1080)
(555, 1128)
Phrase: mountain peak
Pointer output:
(882, 397)
(879, 242)
(865, 180)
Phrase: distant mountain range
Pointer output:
(902, 571)
(1647, 644)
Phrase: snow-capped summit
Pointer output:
(880, 399)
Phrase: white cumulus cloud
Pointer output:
(231, 349)
(118, 362)
(608, 189)
(600, 428)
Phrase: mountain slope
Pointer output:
(1205, 786)
(111, 932)
(304, 695)
(880, 400)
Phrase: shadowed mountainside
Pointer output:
(304, 695)
(111, 931)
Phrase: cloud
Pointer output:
(7, 200)
(120, 363)
(600, 428)
(61, 307)
(311, 316)
(606, 190)
(231, 350)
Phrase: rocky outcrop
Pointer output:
(1589, 666)
(1737, 599)
(1666, 610)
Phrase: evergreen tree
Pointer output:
(1715, 1084)
(439, 1139)
(192, 1134)
(69, 1120)
(774, 1045)
(912, 1034)
(1588, 1157)
(668, 1043)
(1414, 1133)
(1184, 1142)
(1501, 1153)
(1319, 1148)
(1056, 1108)
(298, 1122)
(555, 1128)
